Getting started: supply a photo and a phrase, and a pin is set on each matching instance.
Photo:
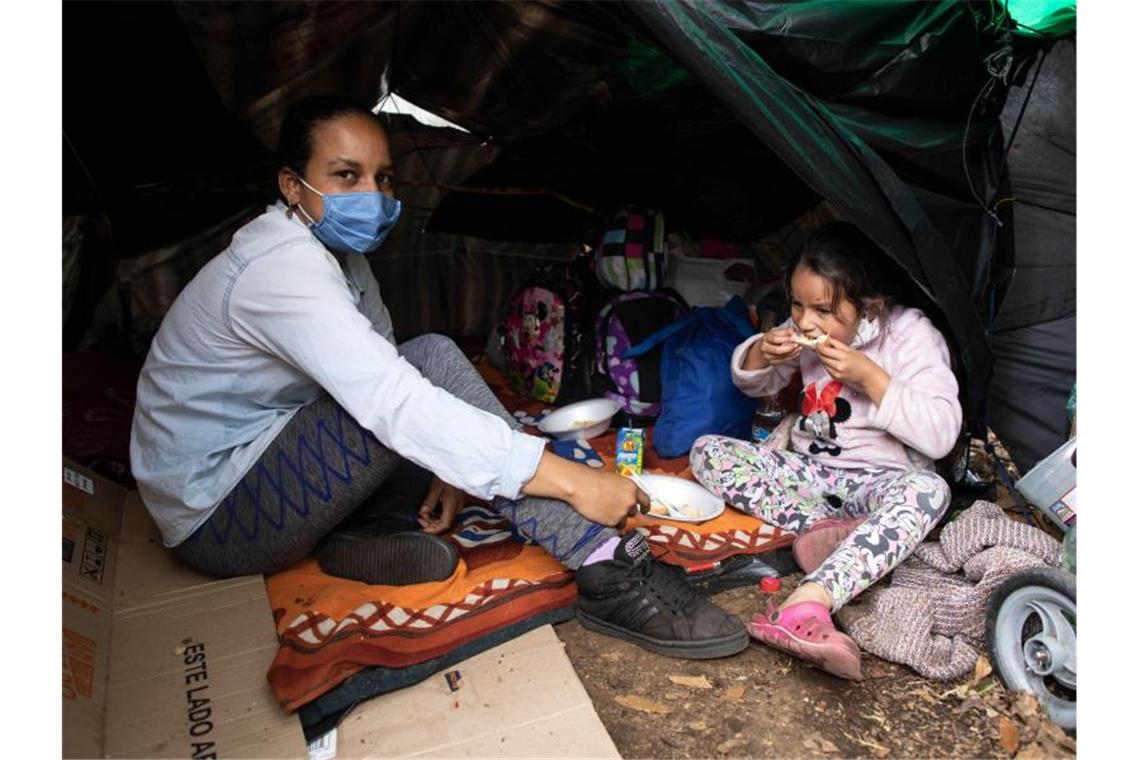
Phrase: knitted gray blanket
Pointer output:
(932, 616)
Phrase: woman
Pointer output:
(274, 402)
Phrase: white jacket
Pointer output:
(261, 331)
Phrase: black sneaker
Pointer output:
(636, 598)
(397, 559)
(743, 570)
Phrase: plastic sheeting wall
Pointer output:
(1035, 334)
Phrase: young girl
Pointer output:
(880, 403)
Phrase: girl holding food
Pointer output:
(857, 486)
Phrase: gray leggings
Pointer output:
(323, 467)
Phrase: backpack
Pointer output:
(545, 333)
(625, 320)
(697, 393)
(632, 253)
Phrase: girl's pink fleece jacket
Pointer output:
(918, 421)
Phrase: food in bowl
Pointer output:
(583, 419)
(657, 508)
(691, 501)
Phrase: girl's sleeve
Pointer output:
(760, 382)
(920, 407)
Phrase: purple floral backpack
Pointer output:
(625, 320)
(545, 334)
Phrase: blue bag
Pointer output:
(698, 396)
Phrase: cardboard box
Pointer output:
(158, 660)
(161, 661)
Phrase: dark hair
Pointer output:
(841, 254)
(295, 141)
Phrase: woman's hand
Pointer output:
(600, 496)
(441, 498)
(607, 498)
(853, 368)
(775, 347)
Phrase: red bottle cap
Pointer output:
(769, 585)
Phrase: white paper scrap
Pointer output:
(323, 747)
(82, 482)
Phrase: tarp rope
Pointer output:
(998, 65)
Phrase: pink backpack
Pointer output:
(545, 334)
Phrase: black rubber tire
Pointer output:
(1058, 580)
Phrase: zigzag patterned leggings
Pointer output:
(323, 466)
(794, 491)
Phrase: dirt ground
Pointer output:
(762, 703)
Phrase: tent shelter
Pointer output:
(736, 119)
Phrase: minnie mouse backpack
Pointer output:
(545, 334)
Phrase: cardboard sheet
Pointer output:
(161, 661)
(158, 660)
(544, 712)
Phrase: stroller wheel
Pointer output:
(1031, 632)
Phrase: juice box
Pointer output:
(630, 451)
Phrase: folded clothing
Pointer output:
(932, 617)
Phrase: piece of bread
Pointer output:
(807, 342)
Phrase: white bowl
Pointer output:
(691, 497)
(584, 419)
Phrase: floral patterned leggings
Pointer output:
(793, 491)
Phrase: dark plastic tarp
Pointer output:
(882, 141)
(734, 117)
(1035, 332)
(828, 157)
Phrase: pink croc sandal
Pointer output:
(812, 548)
(805, 630)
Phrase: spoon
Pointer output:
(674, 511)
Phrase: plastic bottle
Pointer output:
(768, 414)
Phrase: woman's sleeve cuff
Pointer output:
(522, 464)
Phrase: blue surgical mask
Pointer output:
(353, 222)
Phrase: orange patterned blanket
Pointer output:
(331, 628)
